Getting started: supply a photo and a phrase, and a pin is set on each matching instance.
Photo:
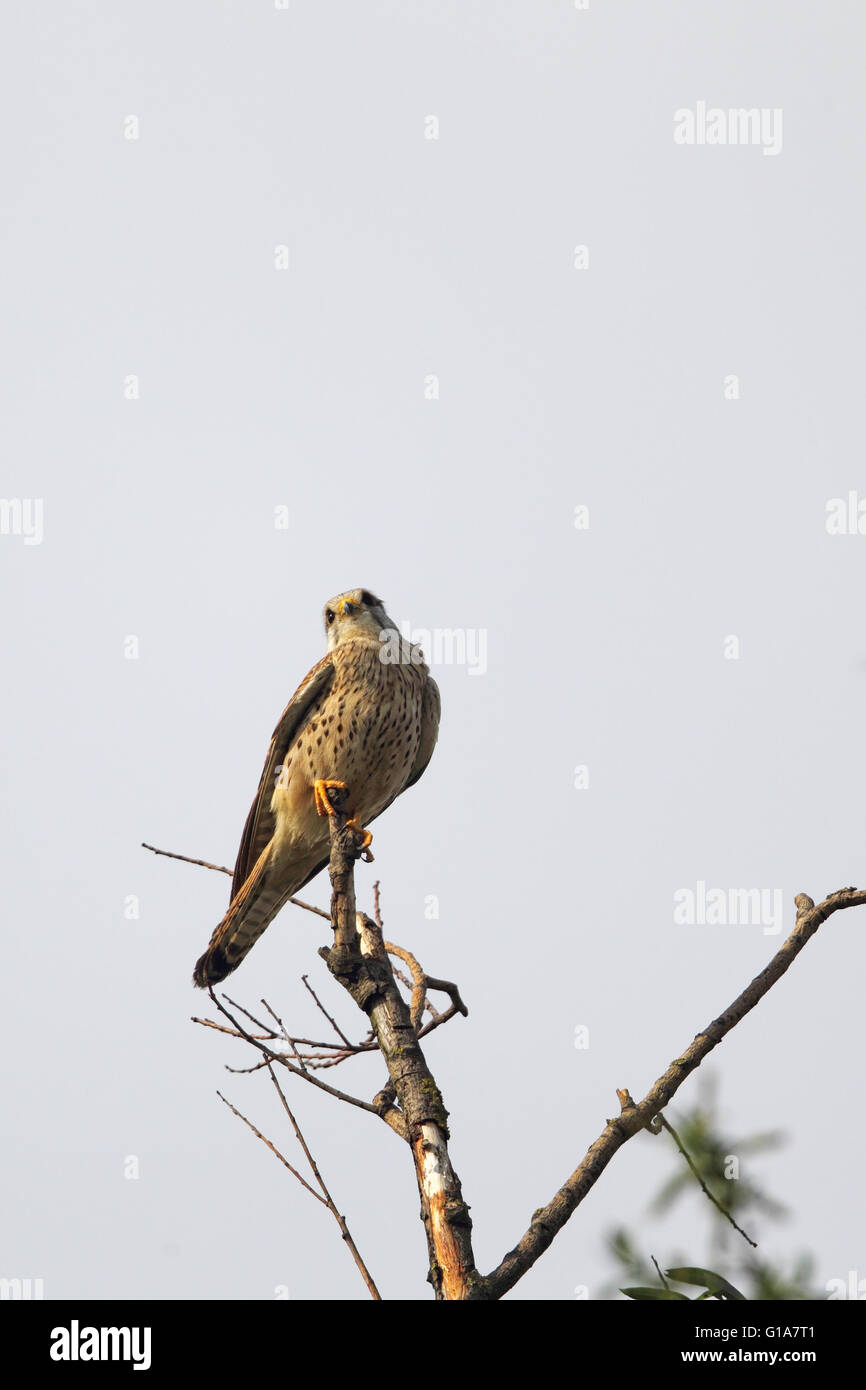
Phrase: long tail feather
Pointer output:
(250, 912)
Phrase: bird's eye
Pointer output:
(330, 615)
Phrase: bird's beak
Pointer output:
(347, 608)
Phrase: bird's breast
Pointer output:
(364, 731)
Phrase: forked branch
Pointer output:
(549, 1220)
(359, 961)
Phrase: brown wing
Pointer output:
(261, 822)
(431, 710)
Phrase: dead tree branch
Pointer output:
(411, 1103)
(324, 1196)
(548, 1221)
(282, 1061)
(359, 961)
(221, 869)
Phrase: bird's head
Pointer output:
(356, 614)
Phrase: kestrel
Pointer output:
(365, 718)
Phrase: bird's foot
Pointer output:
(366, 838)
(320, 792)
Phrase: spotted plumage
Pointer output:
(367, 716)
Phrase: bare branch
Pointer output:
(274, 1150)
(301, 1061)
(308, 907)
(257, 1021)
(660, 1119)
(340, 1220)
(341, 867)
(185, 859)
(447, 987)
(221, 869)
(324, 1197)
(247, 1071)
(337, 1030)
(438, 1019)
(221, 1028)
(548, 1221)
(359, 961)
(284, 1062)
(419, 992)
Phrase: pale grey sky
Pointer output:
(608, 386)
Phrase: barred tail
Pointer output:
(250, 911)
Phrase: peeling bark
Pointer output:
(359, 961)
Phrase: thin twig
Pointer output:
(549, 1220)
(251, 1017)
(301, 1061)
(284, 1062)
(185, 859)
(449, 988)
(419, 993)
(273, 1148)
(326, 1058)
(703, 1186)
(334, 1025)
(279, 1021)
(221, 1028)
(247, 1071)
(439, 1019)
(308, 907)
(221, 869)
(329, 1202)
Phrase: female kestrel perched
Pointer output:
(365, 718)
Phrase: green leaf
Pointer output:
(663, 1295)
(716, 1283)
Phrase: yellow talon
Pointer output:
(323, 801)
(367, 837)
(324, 808)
